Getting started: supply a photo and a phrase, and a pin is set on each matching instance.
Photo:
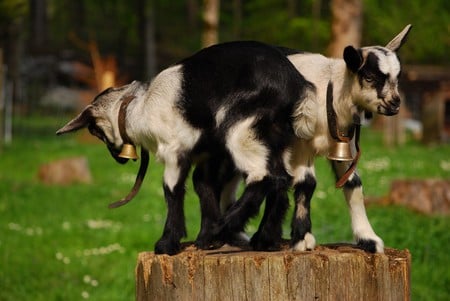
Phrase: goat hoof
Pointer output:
(239, 239)
(208, 244)
(307, 243)
(167, 246)
(261, 242)
(369, 242)
(370, 245)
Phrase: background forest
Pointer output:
(145, 36)
(62, 243)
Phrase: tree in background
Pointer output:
(210, 34)
(346, 25)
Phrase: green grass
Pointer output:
(63, 243)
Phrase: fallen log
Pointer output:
(331, 272)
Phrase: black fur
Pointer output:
(353, 58)
(367, 245)
(248, 79)
(371, 73)
(209, 178)
(175, 227)
(355, 182)
(302, 194)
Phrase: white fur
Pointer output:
(388, 64)
(362, 230)
(249, 154)
(306, 244)
(159, 125)
(220, 115)
(301, 161)
(305, 116)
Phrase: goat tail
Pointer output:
(138, 182)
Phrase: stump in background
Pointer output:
(327, 273)
(65, 171)
(429, 196)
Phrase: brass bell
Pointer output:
(340, 151)
(128, 152)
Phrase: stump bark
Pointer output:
(333, 272)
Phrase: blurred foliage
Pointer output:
(10, 10)
(301, 24)
(429, 41)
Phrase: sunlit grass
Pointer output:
(63, 243)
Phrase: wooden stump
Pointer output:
(429, 196)
(65, 171)
(334, 272)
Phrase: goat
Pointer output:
(231, 100)
(365, 80)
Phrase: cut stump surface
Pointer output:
(332, 272)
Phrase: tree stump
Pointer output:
(65, 172)
(429, 196)
(332, 272)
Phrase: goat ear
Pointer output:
(79, 122)
(352, 58)
(400, 39)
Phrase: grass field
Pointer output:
(63, 243)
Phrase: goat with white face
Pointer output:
(230, 100)
(366, 79)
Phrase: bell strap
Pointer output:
(138, 182)
(336, 135)
(341, 182)
(331, 114)
(122, 118)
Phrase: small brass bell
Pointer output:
(340, 151)
(128, 152)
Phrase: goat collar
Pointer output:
(122, 119)
(354, 130)
(144, 154)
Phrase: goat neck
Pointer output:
(343, 104)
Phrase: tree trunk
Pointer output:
(210, 34)
(339, 272)
(346, 26)
(38, 26)
(148, 41)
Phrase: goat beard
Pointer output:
(137, 183)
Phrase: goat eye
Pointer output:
(369, 78)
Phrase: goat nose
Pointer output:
(396, 101)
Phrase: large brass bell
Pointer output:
(128, 152)
(340, 151)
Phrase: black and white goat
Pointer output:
(365, 80)
(232, 100)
